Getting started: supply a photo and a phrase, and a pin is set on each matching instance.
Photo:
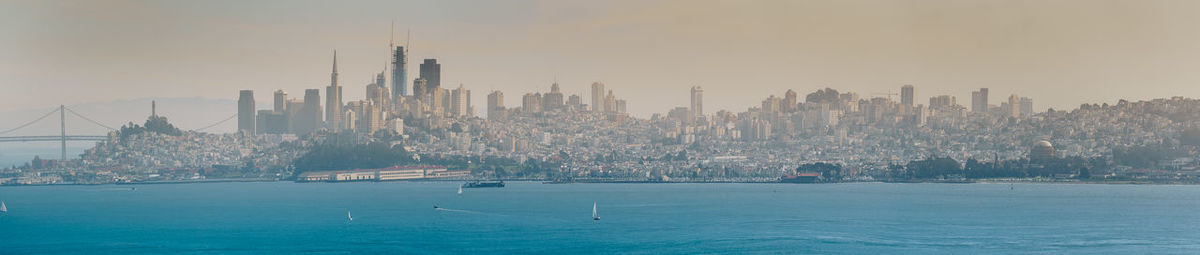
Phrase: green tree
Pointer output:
(331, 156)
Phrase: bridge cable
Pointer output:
(89, 120)
(215, 124)
(30, 123)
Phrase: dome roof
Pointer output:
(1043, 144)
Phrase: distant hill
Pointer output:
(185, 113)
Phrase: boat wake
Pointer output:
(458, 211)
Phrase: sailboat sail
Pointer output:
(351, 217)
(594, 210)
(460, 189)
(3, 209)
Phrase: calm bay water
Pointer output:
(398, 217)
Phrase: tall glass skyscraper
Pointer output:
(399, 73)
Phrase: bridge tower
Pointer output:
(62, 115)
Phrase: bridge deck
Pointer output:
(46, 138)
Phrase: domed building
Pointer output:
(1042, 150)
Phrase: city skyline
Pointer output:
(689, 126)
(512, 62)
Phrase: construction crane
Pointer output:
(889, 95)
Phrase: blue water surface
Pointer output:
(523, 218)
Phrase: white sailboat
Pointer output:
(3, 209)
(460, 189)
(348, 216)
(594, 216)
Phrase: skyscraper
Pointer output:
(979, 100)
(458, 101)
(271, 122)
(942, 102)
(771, 104)
(333, 99)
(362, 116)
(697, 101)
(446, 93)
(495, 105)
(280, 101)
(1014, 106)
(399, 66)
(437, 101)
(309, 117)
(246, 116)
(552, 101)
(419, 88)
(610, 102)
(385, 102)
(375, 93)
(906, 95)
(431, 71)
(598, 97)
(790, 101)
(531, 103)
(576, 102)
(1026, 106)
(294, 107)
(399, 72)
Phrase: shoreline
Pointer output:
(982, 181)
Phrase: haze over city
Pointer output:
(1062, 53)
(599, 127)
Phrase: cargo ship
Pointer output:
(476, 184)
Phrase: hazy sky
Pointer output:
(1061, 53)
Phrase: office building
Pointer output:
(942, 102)
(790, 101)
(280, 101)
(459, 102)
(610, 102)
(271, 122)
(531, 103)
(399, 72)
(771, 104)
(907, 96)
(553, 101)
(375, 93)
(310, 117)
(384, 99)
(437, 99)
(575, 102)
(293, 113)
(495, 106)
(419, 89)
(431, 71)
(246, 118)
(333, 99)
(697, 106)
(979, 100)
(597, 97)
(1014, 106)
(1026, 106)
